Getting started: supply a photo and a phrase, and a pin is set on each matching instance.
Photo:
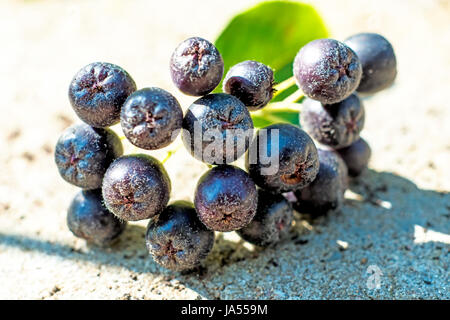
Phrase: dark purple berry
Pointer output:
(251, 82)
(336, 125)
(225, 198)
(88, 219)
(327, 70)
(83, 153)
(378, 61)
(98, 91)
(217, 128)
(151, 118)
(136, 187)
(272, 221)
(326, 192)
(196, 67)
(356, 157)
(282, 158)
(176, 239)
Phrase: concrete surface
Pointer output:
(390, 240)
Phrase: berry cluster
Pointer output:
(330, 73)
(284, 169)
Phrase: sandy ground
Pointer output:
(393, 230)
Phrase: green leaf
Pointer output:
(259, 121)
(268, 116)
(272, 33)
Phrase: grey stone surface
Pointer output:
(393, 229)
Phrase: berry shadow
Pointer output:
(130, 252)
(388, 193)
(378, 220)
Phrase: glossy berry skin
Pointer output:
(196, 67)
(83, 153)
(136, 187)
(88, 219)
(378, 61)
(151, 118)
(326, 192)
(327, 70)
(272, 221)
(217, 116)
(176, 239)
(356, 157)
(297, 164)
(336, 125)
(98, 91)
(251, 82)
(225, 198)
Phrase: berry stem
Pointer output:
(269, 117)
(277, 111)
(282, 86)
(170, 153)
(295, 97)
(276, 106)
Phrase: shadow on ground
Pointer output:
(377, 223)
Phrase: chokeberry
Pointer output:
(272, 221)
(98, 91)
(196, 67)
(251, 82)
(217, 128)
(327, 70)
(326, 192)
(337, 125)
(88, 219)
(151, 118)
(356, 157)
(282, 158)
(83, 153)
(378, 61)
(177, 239)
(136, 187)
(225, 198)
